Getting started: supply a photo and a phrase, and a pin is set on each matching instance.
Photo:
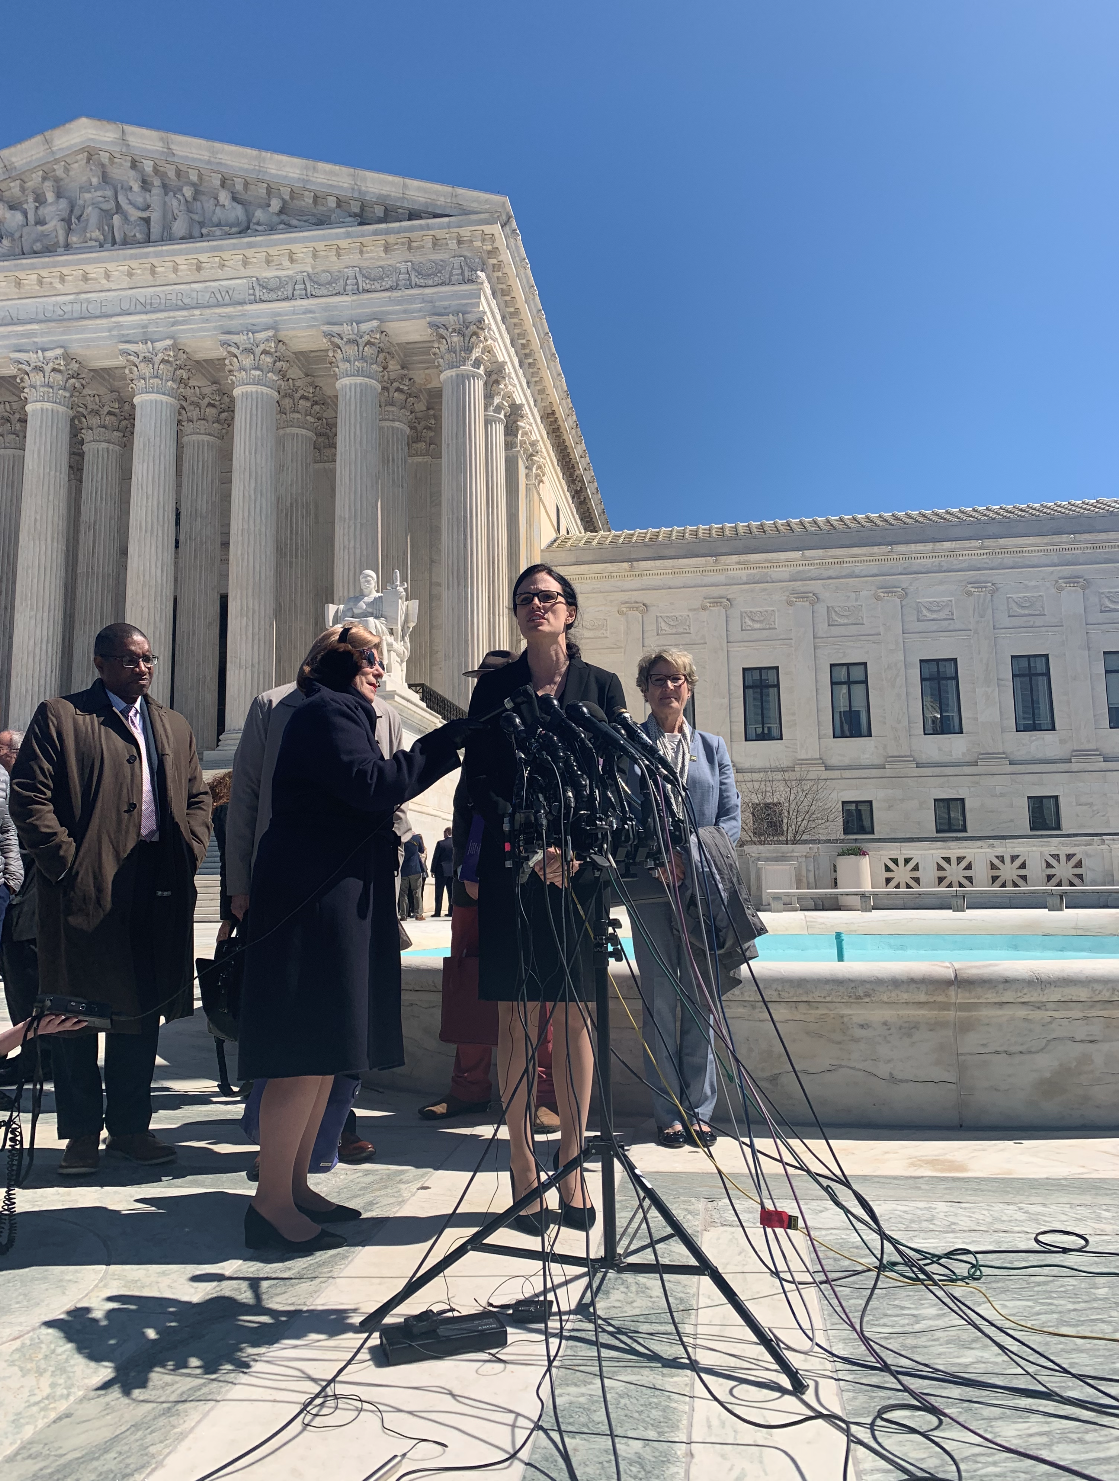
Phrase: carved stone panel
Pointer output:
(846, 614)
(936, 611)
(1109, 601)
(1025, 604)
(594, 627)
(673, 624)
(757, 617)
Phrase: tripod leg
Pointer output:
(716, 1277)
(223, 1073)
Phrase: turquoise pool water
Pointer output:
(851, 947)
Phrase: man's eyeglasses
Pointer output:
(662, 681)
(545, 598)
(131, 662)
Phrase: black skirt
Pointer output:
(535, 943)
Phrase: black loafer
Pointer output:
(261, 1235)
(339, 1214)
(708, 1137)
(673, 1139)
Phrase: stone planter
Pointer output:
(852, 871)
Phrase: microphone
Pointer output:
(513, 726)
(566, 763)
(523, 702)
(590, 718)
(623, 720)
(554, 717)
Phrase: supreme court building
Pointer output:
(230, 382)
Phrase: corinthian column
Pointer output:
(255, 363)
(425, 543)
(991, 750)
(48, 380)
(516, 511)
(326, 453)
(1082, 714)
(356, 352)
(400, 398)
(804, 679)
(297, 622)
(155, 373)
(899, 751)
(205, 417)
(13, 428)
(499, 399)
(104, 423)
(461, 349)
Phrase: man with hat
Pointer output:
(467, 1023)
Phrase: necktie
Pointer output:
(149, 822)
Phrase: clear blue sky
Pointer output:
(798, 257)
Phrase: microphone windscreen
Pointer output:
(547, 705)
(587, 708)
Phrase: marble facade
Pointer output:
(977, 586)
(232, 381)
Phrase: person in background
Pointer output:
(19, 961)
(680, 1060)
(471, 1087)
(11, 864)
(250, 811)
(442, 871)
(219, 795)
(108, 798)
(412, 876)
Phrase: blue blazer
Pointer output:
(710, 782)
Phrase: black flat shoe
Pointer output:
(673, 1139)
(574, 1218)
(533, 1224)
(707, 1137)
(339, 1214)
(261, 1235)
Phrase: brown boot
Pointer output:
(143, 1147)
(81, 1157)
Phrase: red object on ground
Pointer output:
(777, 1218)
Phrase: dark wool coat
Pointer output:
(544, 912)
(77, 789)
(322, 972)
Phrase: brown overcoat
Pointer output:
(76, 797)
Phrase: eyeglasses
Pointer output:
(373, 658)
(133, 663)
(662, 681)
(545, 598)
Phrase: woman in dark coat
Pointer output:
(322, 972)
(548, 906)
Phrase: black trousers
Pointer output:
(442, 884)
(123, 1105)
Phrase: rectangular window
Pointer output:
(1111, 680)
(940, 696)
(1045, 814)
(850, 701)
(761, 704)
(950, 814)
(858, 817)
(1033, 693)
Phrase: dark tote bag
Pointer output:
(220, 980)
(465, 1020)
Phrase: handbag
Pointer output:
(220, 980)
(720, 916)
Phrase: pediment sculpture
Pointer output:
(389, 614)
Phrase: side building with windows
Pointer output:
(944, 683)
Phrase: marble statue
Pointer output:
(48, 225)
(229, 217)
(387, 613)
(131, 222)
(93, 219)
(13, 224)
(188, 216)
(271, 217)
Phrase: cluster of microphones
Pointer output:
(590, 785)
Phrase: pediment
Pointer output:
(92, 185)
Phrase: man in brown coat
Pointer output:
(108, 798)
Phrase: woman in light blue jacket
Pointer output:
(680, 1055)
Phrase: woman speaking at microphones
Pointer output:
(321, 992)
(534, 942)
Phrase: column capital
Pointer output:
(401, 398)
(801, 598)
(709, 604)
(639, 607)
(500, 391)
(357, 351)
(205, 411)
(980, 588)
(104, 419)
(13, 425)
(460, 343)
(884, 594)
(49, 377)
(154, 367)
(517, 430)
(421, 436)
(1071, 583)
(324, 420)
(533, 455)
(257, 360)
(297, 404)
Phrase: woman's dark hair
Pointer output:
(569, 597)
(336, 657)
(219, 788)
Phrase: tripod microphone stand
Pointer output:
(606, 1147)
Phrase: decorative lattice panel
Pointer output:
(901, 873)
(1063, 869)
(1008, 871)
(953, 871)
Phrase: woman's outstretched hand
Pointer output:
(456, 731)
(551, 867)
